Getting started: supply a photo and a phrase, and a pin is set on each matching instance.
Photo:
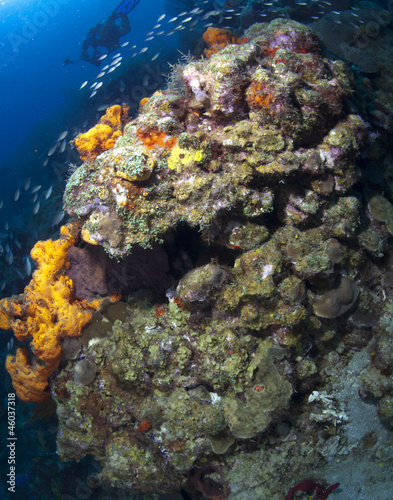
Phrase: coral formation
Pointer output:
(104, 135)
(45, 313)
(256, 266)
(217, 39)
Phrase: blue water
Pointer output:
(36, 37)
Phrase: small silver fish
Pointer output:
(143, 50)
(27, 266)
(18, 245)
(36, 208)
(188, 19)
(17, 194)
(83, 85)
(1, 204)
(19, 273)
(155, 27)
(2, 286)
(63, 146)
(102, 57)
(150, 33)
(111, 69)
(58, 218)
(149, 38)
(172, 20)
(155, 56)
(98, 86)
(124, 44)
(92, 94)
(160, 33)
(27, 184)
(100, 74)
(9, 258)
(36, 189)
(116, 55)
(161, 18)
(105, 67)
(52, 150)
(44, 163)
(48, 192)
(62, 136)
(34, 199)
(93, 85)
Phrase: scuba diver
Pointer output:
(106, 34)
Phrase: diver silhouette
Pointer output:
(106, 34)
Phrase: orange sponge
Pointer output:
(45, 313)
(217, 39)
(104, 135)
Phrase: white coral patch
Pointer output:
(267, 271)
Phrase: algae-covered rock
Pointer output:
(268, 393)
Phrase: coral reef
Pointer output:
(256, 267)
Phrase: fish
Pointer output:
(172, 20)
(113, 63)
(160, 33)
(6, 226)
(161, 18)
(27, 266)
(155, 56)
(143, 50)
(93, 85)
(1, 204)
(105, 67)
(21, 276)
(17, 194)
(98, 86)
(100, 74)
(58, 218)
(62, 136)
(187, 20)
(93, 93)
(44, 163)
(2, 286)
(48, 192)
(18, 245)
(83, 85)
(150, 33)
(116, 55)
(52, 150)
(36, 208)
(111, 69)
(36, 189)
(63, 146)
(124, 44)
(149, 38)
(102, 57)
(9, 258)
(154, 28)
(1, 250)
(34, 199)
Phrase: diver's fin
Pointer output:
(126, 6)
